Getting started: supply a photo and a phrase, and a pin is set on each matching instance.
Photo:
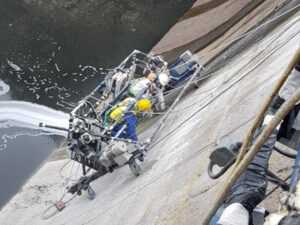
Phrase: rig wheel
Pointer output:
(135, 168)
(90, 193)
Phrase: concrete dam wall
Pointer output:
(244, 59)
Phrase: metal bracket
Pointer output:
(60, 205)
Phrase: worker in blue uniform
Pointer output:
(130, 117)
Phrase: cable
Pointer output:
(226, 89)
(160, 175)
(191, 105)
(219, 94)
(226, 61)
(241, 36)
(285, 153)
(249, 32)
(275, 188)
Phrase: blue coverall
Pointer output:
(130, 131)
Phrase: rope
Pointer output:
(225, 62)
(215, 73)
(245, 160)
(52, 210)
(176, 166)
(275, 188)
(190, 82)
(218, 95)
(196, 153)
(235, 39)
(265, 106)
(164, 118)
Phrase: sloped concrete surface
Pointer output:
(211, 23)
(175, 187)
(247, 23)
(200, 27)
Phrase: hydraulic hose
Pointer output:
(222, 171)
(271, 176)
(287, 154)
(276, 180)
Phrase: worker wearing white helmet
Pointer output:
(155, 86)
(163, 79)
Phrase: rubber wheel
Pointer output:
(135, 168)
(90, 193)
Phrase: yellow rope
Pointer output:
(245, 158)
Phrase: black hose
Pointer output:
(272, 177)
(92, 108)
(222, 171)
(287, 154)
(276, 180)
(275, 188)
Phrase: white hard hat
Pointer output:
(163, 79)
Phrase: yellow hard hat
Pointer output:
(144, 104)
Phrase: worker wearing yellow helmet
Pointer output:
(128, 118)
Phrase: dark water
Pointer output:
(62, 54)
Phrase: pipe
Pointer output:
(53, 127)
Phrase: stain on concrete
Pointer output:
(197, 10)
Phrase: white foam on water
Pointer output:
(4, 88)
(89, 67)
(13, 66)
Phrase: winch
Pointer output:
(115, 153)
